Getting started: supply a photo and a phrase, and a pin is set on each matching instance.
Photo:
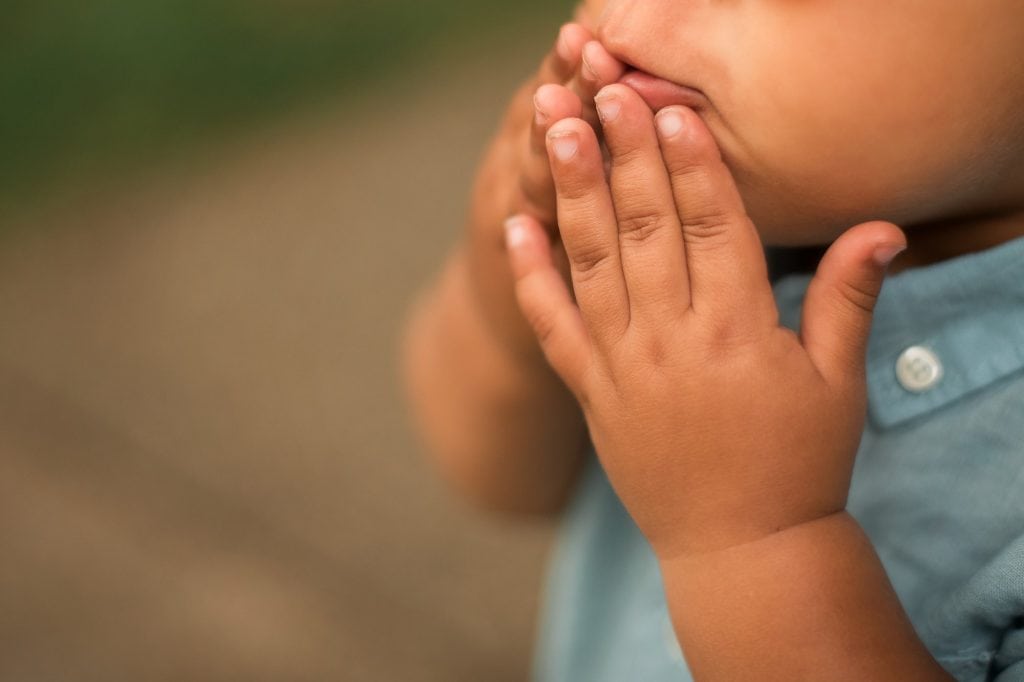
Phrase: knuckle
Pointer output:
(623, 156)
(708, 228)
(589, 261)
(693, 174)
(684, 170)
(706, 212)
(657, 350)
(639, 228)
(724, 328)
(858, 296)
(726, 338)
(543, 324)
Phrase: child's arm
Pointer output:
(497, 419)
(729, 439)
(504, 430)
(812, 602)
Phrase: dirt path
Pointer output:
(205, 470)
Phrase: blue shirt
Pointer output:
(938, 486)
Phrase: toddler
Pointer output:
(788, 476)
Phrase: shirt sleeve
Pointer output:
(1009, 660)
(981, 624)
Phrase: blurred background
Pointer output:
(213, 216)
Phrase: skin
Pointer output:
(670, 337)
(907, 117)
(673, 340)
(934, 89)
(497, 421)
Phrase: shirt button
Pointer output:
(918, 369)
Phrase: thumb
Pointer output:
(840, 300)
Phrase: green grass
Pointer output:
(96, 87)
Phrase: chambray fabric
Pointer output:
(938, 486)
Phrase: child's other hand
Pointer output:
(715, 425)
(515, 176)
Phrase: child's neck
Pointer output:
(929, 243)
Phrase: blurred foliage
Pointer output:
(95, 85)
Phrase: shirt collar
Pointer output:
(966, 313)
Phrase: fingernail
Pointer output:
(588, 70)
(515, 232)
(608, 107)
(564, 145)
(539, 115)
(562, 46)
(884, 254)
(669, 122)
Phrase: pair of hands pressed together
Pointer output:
(716, 426)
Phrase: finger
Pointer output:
(559, 66)
(544, 300)
(561, 260)
(839, 306)
(650, 236)
(586, 221)
(564, 58)
(597, 69)
(552, 103)
(724, 256)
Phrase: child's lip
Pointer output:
(660, 93)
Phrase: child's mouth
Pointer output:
(660, 93)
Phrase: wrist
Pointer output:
(811, 597)
(709, 550)
(713, 545)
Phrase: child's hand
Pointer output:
(515, 176)
(715, 425)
